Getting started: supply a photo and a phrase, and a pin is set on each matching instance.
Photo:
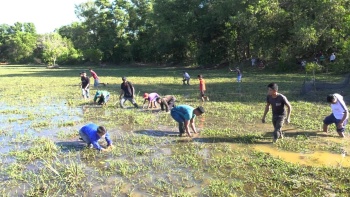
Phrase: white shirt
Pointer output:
(339, 108)
(186, 75)
(332, 58)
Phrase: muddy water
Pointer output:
(314, 159)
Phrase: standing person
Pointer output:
(85, 83)
(239, 74)
(332, 58)
(339, 116)
(102, 96)
(277, 102)
(186, 78)
(91, 133)
(128, 93)
(202, 88)
(185, 115)
(151, 98)
(253, 61)
(322, 59)
(96, 79)
(167, 102)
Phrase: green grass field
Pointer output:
(42, 110)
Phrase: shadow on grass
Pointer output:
(157, 133)
(295, 134)
(236, 140)
(69, 146)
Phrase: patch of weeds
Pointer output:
(143, 140)
(219, 187)
(64, 134)
(16, 171)
(43, 148)
(40, 124)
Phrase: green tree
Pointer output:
(54, 46)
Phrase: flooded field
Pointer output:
(233, 155)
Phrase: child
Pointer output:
(186, 77)
(277, 102)
(151, 98)
(202, 88)
(102, 97)
(91, 133)
(339, 116)
(239, 74)
(167, 102)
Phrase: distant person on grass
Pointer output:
(185, 115)
(339, 116)
(101, 97)
(186, 78)
(91, 133)
(239, 74)
(202, 88)
(167, 102)
(332, 58)
(85, 83)
(96, 78)
(128, 93)
(277, 102)
(151, 98)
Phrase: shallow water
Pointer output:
(313, 159)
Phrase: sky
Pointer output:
(47, 15)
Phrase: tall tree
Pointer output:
(54, 46)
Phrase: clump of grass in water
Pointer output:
(43, 148)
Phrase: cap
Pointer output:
(123, 78)
(82, 72)
(200, 109)
(145, 95)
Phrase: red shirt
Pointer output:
(202, 85)
(93, 74)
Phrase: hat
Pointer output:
(200, 109)
(145, 95)
(123, 78)
(82, 72)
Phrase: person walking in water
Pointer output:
(278, 102)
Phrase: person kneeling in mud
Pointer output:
(91, 133)
(101, 97)
(185, 115)
(167, 102)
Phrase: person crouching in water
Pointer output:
(185, 115)
(102, 96)
(91, 133)
(167, 102)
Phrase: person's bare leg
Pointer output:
(325, 128)
(341, 134)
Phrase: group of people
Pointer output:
(185, 114)
(278, 102)
(319, 58)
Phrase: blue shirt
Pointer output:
(185, 111)
(91, 131)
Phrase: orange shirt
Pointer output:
(202, 85)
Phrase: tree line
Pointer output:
(188, 32)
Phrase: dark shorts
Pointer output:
(202, 93)
(331, 119)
